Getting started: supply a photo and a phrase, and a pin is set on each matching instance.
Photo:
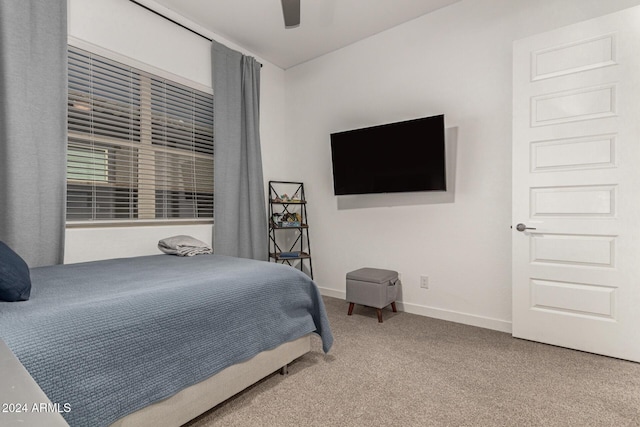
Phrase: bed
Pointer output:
(136, 340)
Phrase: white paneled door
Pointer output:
(576, 186)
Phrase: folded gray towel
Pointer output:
(184, 246)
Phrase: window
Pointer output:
(140, 146)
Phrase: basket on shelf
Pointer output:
(288, 224)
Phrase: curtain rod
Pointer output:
(173, 21)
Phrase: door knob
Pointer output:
(522, 227)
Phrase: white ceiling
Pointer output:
(326, 25)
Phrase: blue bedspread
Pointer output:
(110, 337)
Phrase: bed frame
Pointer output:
(17, 390)
(199, 398)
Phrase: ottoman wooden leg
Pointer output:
(393, 307)
(379, 310)
(350, 309)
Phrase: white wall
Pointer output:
(127, 29)
(455, 61)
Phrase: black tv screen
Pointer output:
(391, 158)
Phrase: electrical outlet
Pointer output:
(424, 282)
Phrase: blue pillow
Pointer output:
(15, 282)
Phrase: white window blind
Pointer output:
(140, 146)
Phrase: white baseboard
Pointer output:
(439, 313)
(332, 293)
(456, 316)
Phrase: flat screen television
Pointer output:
(392, 158)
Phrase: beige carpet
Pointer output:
(417, 371)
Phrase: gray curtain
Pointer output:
(33, 130)
(240, 218)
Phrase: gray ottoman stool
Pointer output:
(372, 287)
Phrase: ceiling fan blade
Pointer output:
(291, 13)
